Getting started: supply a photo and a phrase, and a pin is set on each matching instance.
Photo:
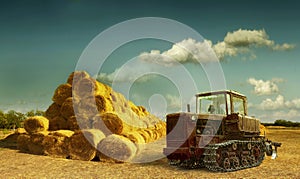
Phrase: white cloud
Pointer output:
(269, 104)
(246, 38)
(292, 114)
(280, 103)
(222, 50)
(127, 73)
(237, 42)
(242, 41)
(262, 87)
(295, 103)
(174, 102)
(186, 51)
(287, 115)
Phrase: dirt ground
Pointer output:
(21, 165)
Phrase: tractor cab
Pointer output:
(221, 103)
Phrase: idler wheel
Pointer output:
(234, 146)
(226, 163)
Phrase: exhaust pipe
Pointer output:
(188, 108)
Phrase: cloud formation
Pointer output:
(262, 87)
(288, 115)
(234, 43)
(192, 51)
(280, 103)
(186, 51)
(242, 40)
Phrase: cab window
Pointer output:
(238, 105)
(212, 104)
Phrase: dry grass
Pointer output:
(21, 165)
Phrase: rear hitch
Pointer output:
(270, 151)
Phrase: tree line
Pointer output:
(13, 119)
(282, 122)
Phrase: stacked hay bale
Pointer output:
(36, 128)
(86, 103)
(262, 129)
(87, 115)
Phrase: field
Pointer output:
(20, 165)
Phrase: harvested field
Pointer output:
(22, 165)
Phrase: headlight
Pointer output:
(194, 117)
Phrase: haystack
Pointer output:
(91, 104)
(82, 144)
(52, 111)
(56, 143)
(36, 124)
(61, 93)
(117, 148)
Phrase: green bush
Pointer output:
(13, 119)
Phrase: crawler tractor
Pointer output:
(219, 136)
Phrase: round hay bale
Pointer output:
(103, 90)
(145, 135)
(52, 111)
(85, 87)
(67, 108)
(114, 123)
(80, 122)
(36, 143)
(139, 110)
(23, 142)
(61, 93)
(117, 148)
(95, 104)
(36, 124)
(98, 123)
(137, 139)
(56, 143)
(82, 144)
(262, 129)
(58, 123)
(77, 76)
(151, 134)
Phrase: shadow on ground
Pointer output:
(9, 142)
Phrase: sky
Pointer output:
(256, 44)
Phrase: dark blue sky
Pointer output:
(41, 41)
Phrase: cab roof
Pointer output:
(220, 92)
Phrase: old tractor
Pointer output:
(219, 136)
